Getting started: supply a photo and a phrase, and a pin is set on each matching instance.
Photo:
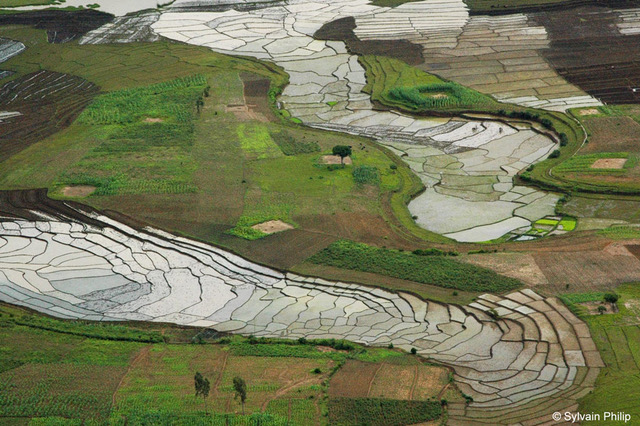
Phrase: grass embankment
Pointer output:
(437, 269)
(617, 336)
(86, 374)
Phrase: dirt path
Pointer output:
(286, 389)
(143, 353)
(414, 383)
(373, 379)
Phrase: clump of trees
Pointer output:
(240, 389)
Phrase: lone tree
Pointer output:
(240, 387)
(611, 298)
(342, 151)
(202, 387)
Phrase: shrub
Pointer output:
(366, 175)
(611, 297)
(433, 252)
(555, 154)
(414, 351)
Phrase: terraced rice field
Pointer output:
(509, 353)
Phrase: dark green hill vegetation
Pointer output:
(437, 270)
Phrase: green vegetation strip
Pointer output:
(437, 270)
(9, 318)
(383, 412)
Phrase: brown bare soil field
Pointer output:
(429, 382)
(272, 226)
(612, 134)
(256, 96)
(78, 190)
(588, 51)
(335, 159)
(590, 111)
(342, 30)
(609, 163)
(48, 101)
(353, 380)
(587, 270)
(394, 382)
(413, 381)
(516, 265)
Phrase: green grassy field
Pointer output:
(617, 337)
(88, 374)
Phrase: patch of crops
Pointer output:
(366, 175)
(436, 270)
(436, 96)
(383, 412)
(175, 98)
(298, 411)
(150, 416)
(41, 390)
(290, 146)
(148, 136)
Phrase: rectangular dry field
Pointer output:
(612, 134)
(407, 381)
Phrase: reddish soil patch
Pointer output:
(609, 163)
(612, 134)
(342, 30)
(272, 226)
(49, 101)
(335, 159)
(590, 111)
(78, 190)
